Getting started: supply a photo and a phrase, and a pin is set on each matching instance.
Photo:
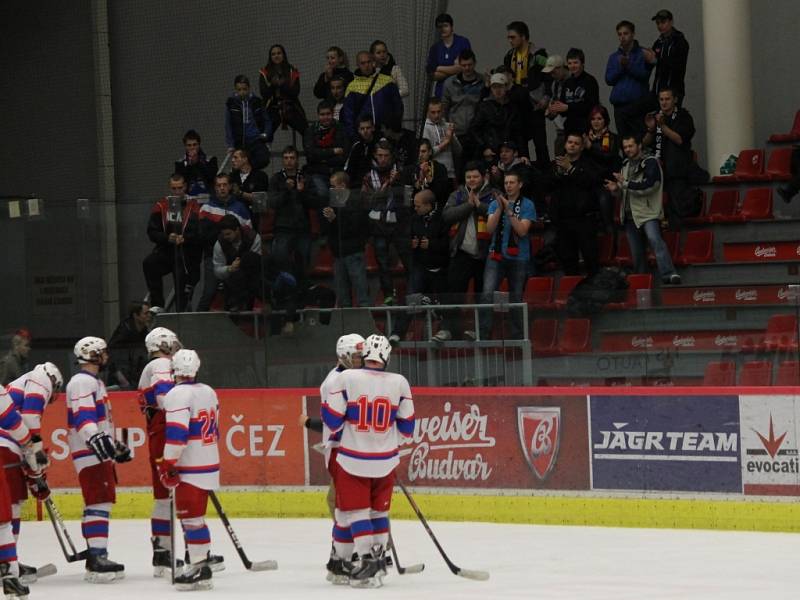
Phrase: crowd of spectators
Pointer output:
(450, 205)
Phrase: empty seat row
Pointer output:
(753, 373)
(751, 166)
(698, 247)
(724, 207)
(573, 337)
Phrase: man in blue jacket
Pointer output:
(628, 72)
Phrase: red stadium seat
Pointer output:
(623, 257)
(698, 248)
(544, 333)
(788, 373)
(720, 373)
(565, 285)
(792, 136)
(779, 164)
(605, 249)
(672, 240)
(723, 207)
(781, 333)
(539, 292)
(575, 336)
(757, 204)
(749, 167)
(757, 372)
(323, 265)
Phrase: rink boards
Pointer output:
(666, 457)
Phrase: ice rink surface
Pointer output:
(525, 561)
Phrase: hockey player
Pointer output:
(370, 408)
(35, 458)
(348, 352)
(94, 452)
(190, 466)
(30, 393)
(155, 382)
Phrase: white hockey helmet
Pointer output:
(53, 373)
(163, 340)
(185, 363)
(347, 347)
(377, 347)
(89, 349)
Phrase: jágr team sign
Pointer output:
(490, 441)
(770, 464)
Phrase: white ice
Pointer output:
(525, 561)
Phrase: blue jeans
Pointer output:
(516, 271)
(652, 230)
(292, 252)
(350, 273)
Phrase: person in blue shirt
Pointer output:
(443, 54)
(509, 223)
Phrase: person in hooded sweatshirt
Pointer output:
(581, 93)
(247, 124)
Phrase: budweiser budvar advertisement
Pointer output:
(489, 441)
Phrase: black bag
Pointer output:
(593, 293)
(689, 202)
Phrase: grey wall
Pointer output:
(47, 145)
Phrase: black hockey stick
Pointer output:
(411, 569)
(456, 570)
(264, 565)
(61, 533)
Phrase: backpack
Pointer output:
(593, 293)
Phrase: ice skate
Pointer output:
(370, 570)
(162, 561)
(194, 577)
(214, 561)
(338, 570)
(99, 569)
(13, 589)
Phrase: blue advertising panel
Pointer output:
(676, 443)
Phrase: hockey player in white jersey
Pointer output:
(154, 383)
(371, 409)
(35, 458)
(190, 466)
(30, 393)
(348, 353)
(94, 452)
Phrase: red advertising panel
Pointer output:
(761, 251)
(473, 439)
(743, 295)
(260, 442)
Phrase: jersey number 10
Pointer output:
(375, 415)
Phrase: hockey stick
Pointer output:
(61, 530)
(410, 570)
(264, 565)
(172, 536)
(469, 574)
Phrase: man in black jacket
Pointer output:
(197, 169)
(496, 118)
(525, 62)
(429, 256)
(573, 206)
(671, 53)
(247, 124)
(326, 146)
(669, 133)
(291, 247)
(581, 93)
(174, 228)
(359, 159)
(347, 227)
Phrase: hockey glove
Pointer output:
(102, 445)
(35, 456)
(168, 473)
(37, 486)
(123, 453)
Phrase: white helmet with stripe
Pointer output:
(185, 363)
(90, 349)
(348, 347)
(163, 340)
(377, 347)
